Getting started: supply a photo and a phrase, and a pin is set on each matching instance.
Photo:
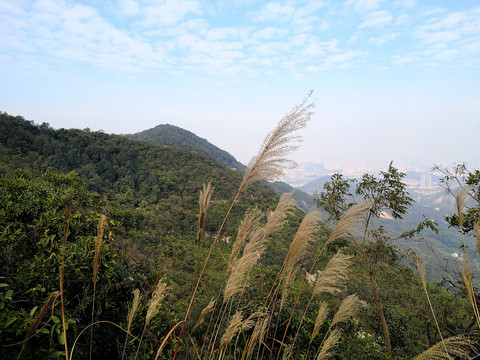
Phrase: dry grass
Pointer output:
(271, 159)
(298, 248)
(458, 347)
(133, 310)
(348, 308)
(98, 244)
(250, 222)
(234, 327)
(332, 278)
(157, 296)
(351, 221)
(320, 319)
(203, 202)
(206, 310)
(331, 341)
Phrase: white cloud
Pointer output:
(170, 12)
(274, 10)
(402, 19)
(383, 39)
(364, 6)
(376, 19)
(129, 7)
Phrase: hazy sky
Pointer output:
(392, 80)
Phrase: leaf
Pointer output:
(33, 310)
(9, 294)
(9, 321)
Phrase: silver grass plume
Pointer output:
(203, 202)
(157, 296)
(234, 327)
(320, 319)
(458, 347)
(258, 333)
(348, 308)
(271, 159)
(98, 244)
(204, 313)
(460, 201)
(298, 247)
(133, 310)
(331, 341)
(256, 245)
(467, 279)
(277, 218)
(46, 306)
(352, 220)
(331, 279)
(250, 222)
(252, 253)
(476, 229)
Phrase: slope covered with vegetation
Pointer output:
(262, 282)
(170, 135)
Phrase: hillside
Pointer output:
(128, 213)
(170, 135)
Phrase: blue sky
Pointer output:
(392, 80)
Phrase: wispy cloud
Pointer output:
(376, 19)
(383, 39)
(190, 37)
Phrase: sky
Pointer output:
(392, 80)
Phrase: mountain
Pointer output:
(52, 219)
(314, 185)
(170, 135)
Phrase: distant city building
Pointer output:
(426, 181)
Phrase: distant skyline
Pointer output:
(393, 80)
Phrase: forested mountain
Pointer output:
(170, 135)
(86, 218)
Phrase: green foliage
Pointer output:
(149, 194)
(171, 135)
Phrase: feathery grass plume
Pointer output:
(331, 279)
(250, 222)
(331, 341)
(258, 333)
(157, 296)
(458, 347)
(348, 308)
(298, 247)
(234, 327)
(467, 279)
(321, 316)
(271, 159)
(252, 253)
(304, 235)
(203, 202)
(204, 313)
(476, 229)
(33, 326)
(352, 220)
(460, 201)
(133, 310)
(277, 218)
(98, 243)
